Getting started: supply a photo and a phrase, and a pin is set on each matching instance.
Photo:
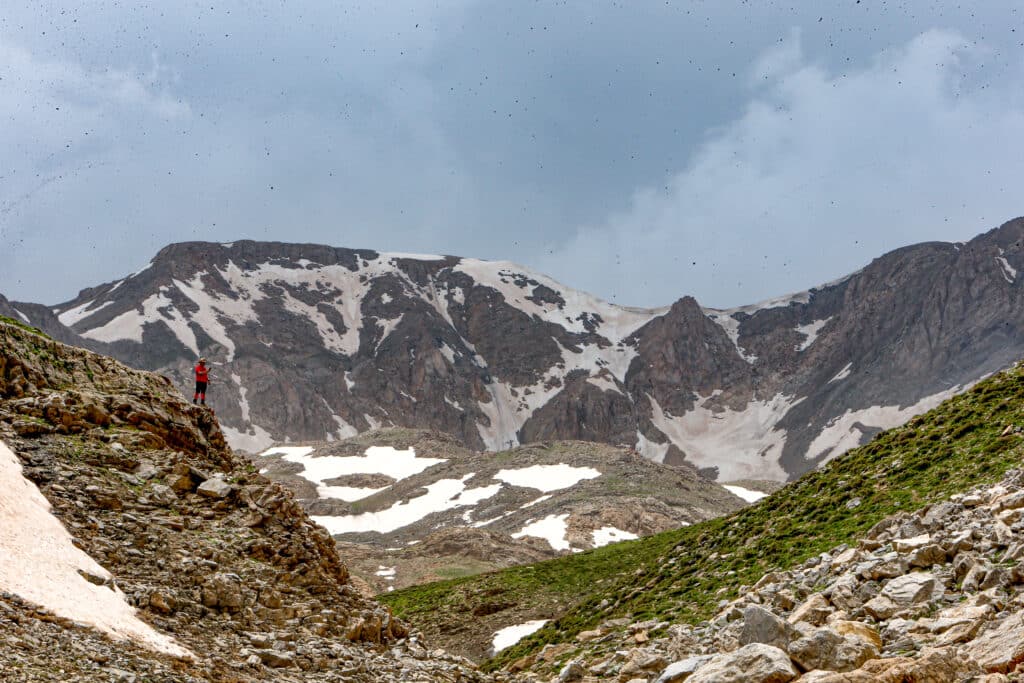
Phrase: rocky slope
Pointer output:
(431, 509)
(933, 595)
(312, 342)
(679, 577)
(182, 563)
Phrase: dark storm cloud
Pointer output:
(591, 139)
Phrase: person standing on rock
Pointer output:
(202, 377)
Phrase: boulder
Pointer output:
(814, 610)
(825, 649)
(754, 663)
(215, 488)
(683, 669)
(911, 589)
(762, 626)
(1000, 648)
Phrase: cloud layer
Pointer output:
(823, 171)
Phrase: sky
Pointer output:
(642, 151)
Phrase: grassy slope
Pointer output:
(682, 574)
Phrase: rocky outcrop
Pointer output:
(935, 595)
(203, 547)
(311, 342)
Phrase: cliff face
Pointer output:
(215, 560)
(311, 342)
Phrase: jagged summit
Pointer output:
(311, 342)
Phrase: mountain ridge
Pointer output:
(312, 342)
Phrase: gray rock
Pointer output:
(911, 589)
(826, 649)
(762, 626)
(215, 488)
(683, 669)
(754, 663)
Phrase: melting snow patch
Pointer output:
(510, 635)
(73, 315)
(746, 494)
(547, 478)
(22, 316)
(843, 432)
(842, 374)
(731, 327)
(743, 444)
(39, 563)
(252, 441)
(377, 460)
(444, 494)
(1009, 272)
(552, 529)
(810, 332)
(609, 534)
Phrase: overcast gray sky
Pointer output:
(639, 150)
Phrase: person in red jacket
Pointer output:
(202, 377)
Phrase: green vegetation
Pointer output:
(681, 575)
(22, 325)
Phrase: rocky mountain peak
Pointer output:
(313, 342)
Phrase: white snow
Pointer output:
(842, 374)
(742, 444)
(603, 382)
(1009, 272)
(552, 529)
(842, 432)
(547, 478)
(748, 495)
(73, 315)
(387, 572)
(810, 332)
(22, 316)
(252, 441)
(609, 534)
(39, 562)
(129, 325)
(376, 460)
(655, 452)
(731, 327)
(510, 635)
(618, 322)
(534, 502)
(444, 494)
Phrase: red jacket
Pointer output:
(202, 373)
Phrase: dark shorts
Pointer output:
(200, 387)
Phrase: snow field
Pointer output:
(552, 529)
(39, 563)
(547, 478)
(510, 635)
(609, 534)
(377, 460)
(444, 494)
(746, 494)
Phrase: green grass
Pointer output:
(681, 575)
(23, 326)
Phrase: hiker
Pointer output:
(202, 377)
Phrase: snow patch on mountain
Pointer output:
(510, 635)
(444, 494)
(743, 444)
(609, 534)
(73, 315)
(846, 431)
(1009, 272)
(842, 374)
(748, 495)
(547, 478)
(551, 528)
(40, 563)
(731, 327)
(394, 463)
(810, 332)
